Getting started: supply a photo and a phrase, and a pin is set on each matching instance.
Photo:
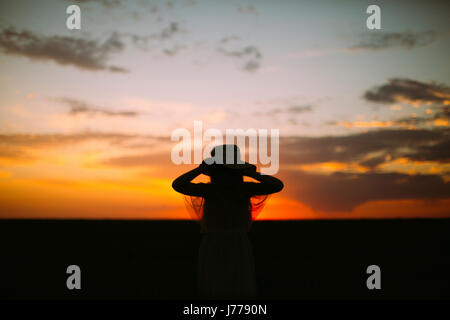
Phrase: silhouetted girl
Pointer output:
(225, 206)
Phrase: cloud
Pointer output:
(413, 122)
(49, 140)
(229, 39)
(299, 109)
(81, 107)
(406, 90)
(363, 124)
(407, 40)
(105, 3)
(291, 111)
(85, 54)
(439, 151)
(249, 9)
(164, 40)
(344, 191)
(168, 32)
(140, 160)
(338, 173)
(23, 147)
(249, 55)
(440, 118)
(364, 148)
(173, 51)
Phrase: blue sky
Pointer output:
(304, 61)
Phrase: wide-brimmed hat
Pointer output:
(229, 156)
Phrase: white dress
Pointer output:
(226, 266)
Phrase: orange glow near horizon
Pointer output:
(79, 181)
(153, 198)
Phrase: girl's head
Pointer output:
(227, 166)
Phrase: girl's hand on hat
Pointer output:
(251, 171)
(204, 167)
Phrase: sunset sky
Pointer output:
(86, 115)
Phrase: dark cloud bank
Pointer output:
(82, 53)
(407, 40)
(342, 191)
(291, 111)
(398, 89)
(249, 55)
(82, 107)
(85, 53)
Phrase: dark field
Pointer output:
(157, 259)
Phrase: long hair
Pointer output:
(226, 183)
(196, 208)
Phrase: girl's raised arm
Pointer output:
(183, 183)
(267, 184)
